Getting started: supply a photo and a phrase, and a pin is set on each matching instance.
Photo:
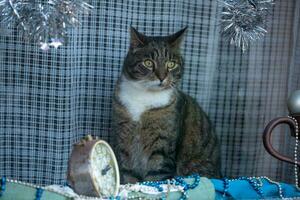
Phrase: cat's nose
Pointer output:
(161, 77)
(161, 82)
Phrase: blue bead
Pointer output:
(226, 186)
(39, 193)
(3, 185)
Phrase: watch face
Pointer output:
(104, 169)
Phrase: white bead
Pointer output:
(296, 150)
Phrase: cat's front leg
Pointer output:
(198, 150)
(196, 157)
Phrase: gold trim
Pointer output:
(116, 166)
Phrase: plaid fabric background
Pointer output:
(50, 100)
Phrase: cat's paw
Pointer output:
(128, 179)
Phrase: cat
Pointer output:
(160, 132)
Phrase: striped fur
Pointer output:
(174, 138)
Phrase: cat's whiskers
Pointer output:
(172, 85)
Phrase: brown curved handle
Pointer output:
(268, 133)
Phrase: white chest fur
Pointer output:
(137, 100)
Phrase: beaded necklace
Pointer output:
(178, 181)
(296, 151)
(40, 190)
(4, 180)
(255, 182)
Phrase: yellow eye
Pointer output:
(171, 65)
(148, 63)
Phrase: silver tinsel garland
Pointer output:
(45, 22)
(244, 21)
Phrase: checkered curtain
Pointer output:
(49, 100)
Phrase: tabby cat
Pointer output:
(160, 131)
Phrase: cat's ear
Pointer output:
(136, 39)
(175, 39)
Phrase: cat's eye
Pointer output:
(171, 65)
(148, 63)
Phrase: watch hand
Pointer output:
(105, 170)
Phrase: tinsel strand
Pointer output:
(244, 21)
(45, 23)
